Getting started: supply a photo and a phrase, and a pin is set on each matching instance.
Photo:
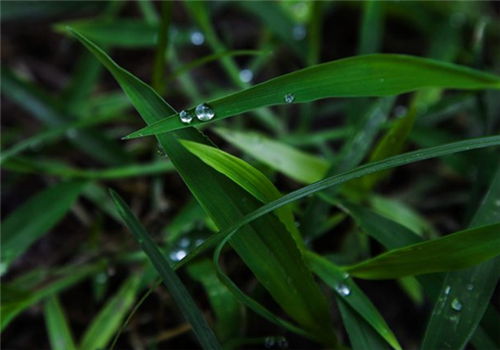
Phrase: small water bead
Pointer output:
(342, 289)
(204, 112)
(185, 117)
(299, 32)
(177, 255)
(447, 290)
(197, 38)
(289, 98)
(469, 286)
(246, 75)
(276, 343)
(456, 305)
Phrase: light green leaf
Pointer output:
(57, 326)
(370, 75)
(455, 251)
(101, 330)
(298, 165)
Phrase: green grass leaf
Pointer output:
(174, 285)
(351, 295)
(248, 177)
(370, 75)
(452, 252)
(228, 311)
(265, 246)
(451, 327)
(102, 328)
(298, 165)
(57, 325)
(35, 218)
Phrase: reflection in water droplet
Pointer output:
(299, 32)
(447, 290)
(246, 75)
(345, 275)
(197, 38)
(342, 289)
(204, 112)
(177, 255)
(185, 117)
(289, 98)
(456, 305)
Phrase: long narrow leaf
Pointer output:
(179, 293)
(455, 251)
(370, 75)
(57, 326)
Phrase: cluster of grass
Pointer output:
(307, 194)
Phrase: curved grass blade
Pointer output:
(34, 218)
(265, 246)
(249, 178)
(369, 75)
(101, 330)
(296, 164)
(174, 285)
(352, 295)
(57, 326)
(452, 252)
(370, 168)
(471, 289)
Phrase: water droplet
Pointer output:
(345, 275)
(204, 112)
(160, 150)
(299, 32)
(276, 343)
(342, 289)
(184, 243)
(289, 98)
(470, 286)
(198, 242)
(497, 202)
(71, 133)
(177, 255)
(447, 290)
(185, 117)
(246, 75)
(456, 305)
(197, 38)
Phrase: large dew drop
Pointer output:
(456, 305)
(343, 289)
(204, 112)
(289, 98)
(185, 117)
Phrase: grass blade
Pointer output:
(471, 288)
(57, 326)
(369, 75)
(352, 295)
(455, 251)
(174, 285)
(35, 218)
(100, 332)
(249, 178)
(265, 246)
(298, 165)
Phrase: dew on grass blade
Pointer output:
(197, 38)
(204, 112)
(289, 98)
(299, 32)
(177, 255)
(456, 305)
(342, 289)
(246, 75)
(447, 290)
(276, 343)
(185, 117)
